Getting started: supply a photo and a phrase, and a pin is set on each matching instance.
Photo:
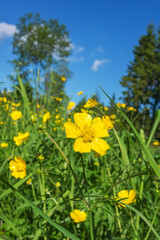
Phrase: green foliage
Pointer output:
(87, 182)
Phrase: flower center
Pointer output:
(87, 134)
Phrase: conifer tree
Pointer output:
(142, 81)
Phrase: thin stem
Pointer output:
(91, 225)
(67, 161)
(85, 179)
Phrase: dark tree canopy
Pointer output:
(40, 44)
(142, 81)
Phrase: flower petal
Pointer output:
(132, 194)
(82, 120)
(100, 146)
(99, 128)
(123, 194)
(81, 146)
(72, 130)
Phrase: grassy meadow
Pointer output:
(76, 173)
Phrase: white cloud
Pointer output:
(7, 30)
(97, 63)
(100, 50)
(79, 49)
(76, 59)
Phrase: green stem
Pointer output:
(67, 161)
(114, 193)
(91, 225)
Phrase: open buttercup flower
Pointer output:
(18, 167)
(126, 197)
(78, 216)
(88, 134)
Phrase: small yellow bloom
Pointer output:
(63, 79)
(80, 93)
(112, 116)
(88, 133)
(46, 117)
(4, 145)
(91, 103)
(33, 118)
(58, 184)
(119, 105)
(107, 122)
(126, 197)
(29, 182)
(18, 167)
(156, 143)
(96, 164)
(106, 108)
(38, 106)
(123, 105)
(78, 216)
(71, 105)
(41, 157)
(15, 115)
(15, 104)
(1, 122)
(131, 109)
(21, 138)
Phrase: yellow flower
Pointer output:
(131, 109)
(63, 79)
(80, 93)
(15, 115)
(96, 164)
(46, 117)
(18, 167)
(106, 108)
(38, 106)
(4, 145)
(15, 104)
(78, 216)
(112, 117)
(127, 197)
(91, 103)
(58, 184)
(29, 182)
(119, 104)
(123, 105)
(156, 143)
(87, 133)
(21, 138)
(41, 157)
(1, 122)
(107, 122)
(71, 105)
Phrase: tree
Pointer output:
(40, 44)
(142, 81)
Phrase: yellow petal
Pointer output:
(72, 130)
(81, 146)
(132, 194)
(99, 128)
(123, 194)
(82, 216)
(82, 120)
(100, 146)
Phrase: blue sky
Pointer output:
(103, 34)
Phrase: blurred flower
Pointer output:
(91, 103)
(106, 108)
(33, 118)
(80, 93)
(119, 104)
(46, 117)
(78, 216)
(40, 157)
(15, 104)
(123, 105)
(126, 197)
(4, 145)
(29, 182)
(88, 133)
(63, 79)
(15, 115)
(38, 106)
(1, 122)
(112, 116)
(18, 167)
(21, 138)
(96, 164)
(71, 105)
(131, 109)
(58, 184)
(107, 122)
(156, 143)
